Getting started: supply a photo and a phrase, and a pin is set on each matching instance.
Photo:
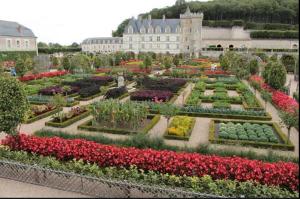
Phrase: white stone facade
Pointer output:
(102, 45)
(185, 35)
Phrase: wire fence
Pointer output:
(91, 186)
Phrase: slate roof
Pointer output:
(9, 28)
(103, 40)
(137, 24)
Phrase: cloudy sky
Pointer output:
(67, 21)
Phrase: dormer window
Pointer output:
(158, 29)
(130, 30)
(168, 29)
(18, 44)
(150, 30)
(143, 30)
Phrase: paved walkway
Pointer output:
(12, 189)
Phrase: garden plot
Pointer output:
(250, 133)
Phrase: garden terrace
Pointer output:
(257, 134)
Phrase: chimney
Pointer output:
(164, 17)
(149, 17)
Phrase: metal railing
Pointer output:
(87, 185)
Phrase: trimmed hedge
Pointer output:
(68, 122)
(88, 126)
(278, 131)
(185, 138)
(272, 34)
(44, 115)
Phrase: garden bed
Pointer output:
(189, 124)
(41, 116)
(152, 120)
(69, 121)
(246, 138)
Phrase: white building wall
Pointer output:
(25, 43)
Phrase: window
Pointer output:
(26, 44)
(168, 38)
(186, 39)
(150, 38)
(177, 46)
(168, 29)
(130, 30)
(9, 43)
(143, 46)
(158, 29)
(190, 29)
(158, 38)
(168, 46)
(143, 38)
(150, 30)
(130, 39)
(143, 30)
(158, 46)
(18, 44)
(177, 38)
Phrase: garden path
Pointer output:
(184, 95)
(11, 188)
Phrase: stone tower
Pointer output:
(191, 33)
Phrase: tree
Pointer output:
(21, 68)
(167, 62)
(42, 45)
(66, 63)
(81, 62)
(147, 62)
(277, 75)
(59, 102)
(254, 69)
(55, 61)
(75, 45)
(267, 97)
(289, 62)
(28, 63)
(13, 104)
(169, 111)
(176, 60)
(289, 120)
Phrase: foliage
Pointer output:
(151, 95)
(181, 126)
(116, 92)
(89, 91)
(203, 184)
(75, 111)
(266, 96)
(59, 102)
(274, 34)
(13, 104)
(167, 62)
(277, 75)
(162, 84)
(289, 62)
(289, 120)
(221, 104)
(147, 63)
(117, 114)
(280, 174)
(247, 131)
(254, 69)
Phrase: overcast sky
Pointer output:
(67, 21)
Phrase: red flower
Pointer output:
(191, 164)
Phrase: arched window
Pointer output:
(158, 29)
(219, 46)
(295, 46)
(231, 46)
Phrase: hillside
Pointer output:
(254, 14)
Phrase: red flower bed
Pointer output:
(190, 164)
(280, 99)
(42, 75)
(216, 72)
(151, 95)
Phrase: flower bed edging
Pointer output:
(68, 122)
(42, 116)
(88, 126)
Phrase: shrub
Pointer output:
(151, 95)
(116, 92)
(89, 91)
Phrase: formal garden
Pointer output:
(197, 125)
